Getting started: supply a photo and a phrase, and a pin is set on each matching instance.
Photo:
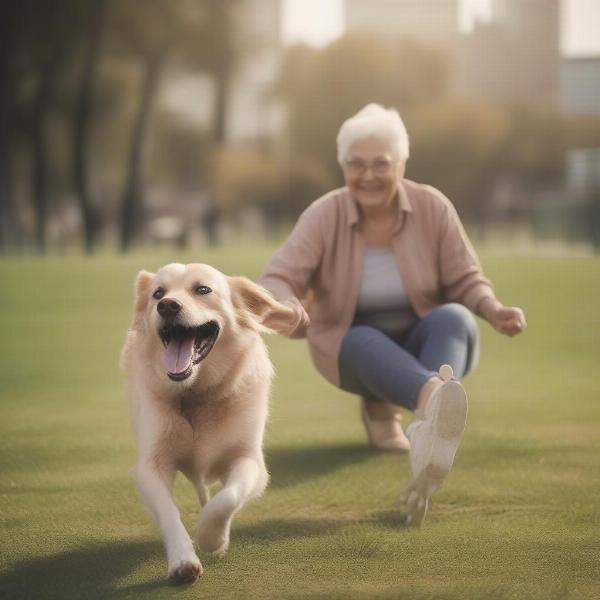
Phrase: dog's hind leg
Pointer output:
(155, 489)
(199, 483)
(246, 479)
(202, 491)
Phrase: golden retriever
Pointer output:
(198, 382)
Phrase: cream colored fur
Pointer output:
(209, 426)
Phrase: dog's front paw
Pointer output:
(212, 535)
(184, 565)
(186, 571)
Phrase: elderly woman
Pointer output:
(390, 281)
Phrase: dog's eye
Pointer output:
(158, 293)
(202, 289)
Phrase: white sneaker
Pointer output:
(434, 441)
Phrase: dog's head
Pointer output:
(186, 310)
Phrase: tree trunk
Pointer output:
(221, 106)
(131, 212)
(7, 220)
(82, 125)
(55, 51)
(40, 166)
(9, 227)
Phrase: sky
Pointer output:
(318, 22)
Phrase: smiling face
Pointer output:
(372, 174)
(188, 318)
(187, 308)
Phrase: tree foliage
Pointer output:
(323, 87)
(89, 72)
(464, 146)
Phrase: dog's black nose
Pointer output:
(169, 307)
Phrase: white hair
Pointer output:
(374, 121)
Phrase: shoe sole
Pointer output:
(448, 427)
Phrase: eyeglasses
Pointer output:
(380, 166)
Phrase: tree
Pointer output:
(455, 146)
(534, 150)
(143, 34)
(47, 45)
(217, 50)
(95, 20)
(9, 28)
(335, 82)
(201, 36)
(36, 65)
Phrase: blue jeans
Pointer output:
(377, 367)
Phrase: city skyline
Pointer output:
(318, 22)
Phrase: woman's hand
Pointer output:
(509, 320)
(299, 321)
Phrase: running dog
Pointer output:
(199, 378)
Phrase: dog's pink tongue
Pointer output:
(178, 355)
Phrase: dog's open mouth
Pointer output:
(186, 347)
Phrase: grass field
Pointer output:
(518, 518)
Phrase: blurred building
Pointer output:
(516, 56)
(580, 85)
(432, 20)
(513, 57)
(252, 115)
(580, 94)
(583, 169)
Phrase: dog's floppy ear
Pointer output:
(141, 291)
(257, 309)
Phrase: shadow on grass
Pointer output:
(89, 572)
(512, 452)
(292, 465)
(101, 571)
(274, 530)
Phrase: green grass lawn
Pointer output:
(518, 517)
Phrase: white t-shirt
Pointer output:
(382, 299)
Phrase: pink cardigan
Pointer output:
(322, 258)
